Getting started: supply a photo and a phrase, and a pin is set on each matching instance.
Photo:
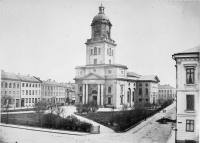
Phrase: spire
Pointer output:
(101, 9)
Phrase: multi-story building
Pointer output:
(102, 79)
(69, 92)
(30, 90)
(187, 86)
(147, 89)
(10, 86)
(53, 91)
(166, 92)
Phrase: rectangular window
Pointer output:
(29, 100)
(10, 85)
(109, 100)
(22, 92)
(17, 85)
(32, 100)
(109, 89)
(33, 92)
(189, 125)
(6, 85)
(35, 100)
(109, 71)
(22, 84)
(13, 92)
(36, 85)
(190, 102)
(81, 99)
(99, 51)
(122, 91)
(38, 92)
(80, 88)
(128, 96)
(29, 92)
(1, 84)
(110, 62)
(190, 75)
(26, 100)
(107, 51)
(95, 61)
(9, 92)
(13, 85)
(26, 84)
(30, 85)
(140, 91)
(26, 92)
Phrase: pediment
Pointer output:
(92, 76)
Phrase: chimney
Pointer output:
(49, 79)
(18, 73)
(2, 70)
(53, 80)
(28, 74)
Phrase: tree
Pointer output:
(40, 108)
(59, 110)
(6, 101)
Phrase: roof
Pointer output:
(28, 78)
(149, 78)
(8, 75)
(132, 74)
(44, 82)
(166, 86)
(190, 51)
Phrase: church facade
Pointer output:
(102, 79)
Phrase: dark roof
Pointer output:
(166, 86)
(28, 78)
(132, 74)
(194, 50)
(8, 75)
(44, 82)
(149, 78)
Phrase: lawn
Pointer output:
(26, 118)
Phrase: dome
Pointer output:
(100, 17)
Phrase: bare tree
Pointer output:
(6, 101)
(40, 108)
(59, 110)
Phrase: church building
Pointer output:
(102, 79)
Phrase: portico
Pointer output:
(92, 92)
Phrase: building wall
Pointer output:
(12, 91)
(30, 95)
(184, 89)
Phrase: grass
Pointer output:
(23, 119)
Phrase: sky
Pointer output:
(46, 38)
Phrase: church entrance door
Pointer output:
(94, 98)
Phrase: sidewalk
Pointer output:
(45, 130)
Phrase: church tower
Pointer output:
(100, 48)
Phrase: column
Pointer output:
(86, 93)
(102, 94)
(83, 97)
(98, 95)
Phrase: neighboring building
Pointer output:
(69, 92)
(53, 91)
(147, 89)
(30, 90)
(166, 92)
(10, 85)
(102, 80)
(187, 80)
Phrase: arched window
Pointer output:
(133, 96)
(140, 91)
(95, 51)
(107, 51)
(128, 96)
(109, 89)
(110, 52)
(6, 84)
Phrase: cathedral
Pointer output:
(103, 80)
